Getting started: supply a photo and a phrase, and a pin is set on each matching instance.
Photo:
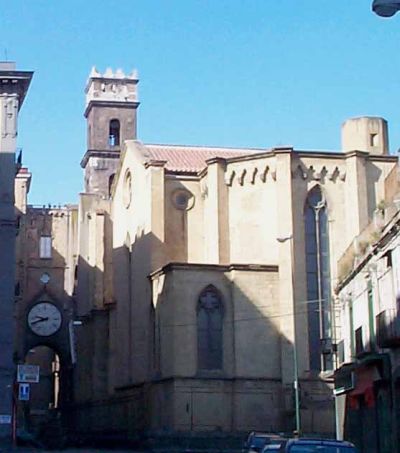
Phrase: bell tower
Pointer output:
(111, 105)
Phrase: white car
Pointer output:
(272, 447)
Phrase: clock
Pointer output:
(44, 319)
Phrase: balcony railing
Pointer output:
(388, 328)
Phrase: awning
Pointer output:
(373, 367)
(365, 378)
(363, 381)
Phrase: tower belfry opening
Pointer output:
(113, 136)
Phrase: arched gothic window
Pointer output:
(110, 183)
(318, 279)
(114, 132)
(209, 329)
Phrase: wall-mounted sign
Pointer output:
(24, 391)
(5, 419)
(28, 373)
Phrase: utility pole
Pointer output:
(13, 88)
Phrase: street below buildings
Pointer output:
(96, 450)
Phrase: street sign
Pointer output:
(28, 373)
(5, 419)
(24, 391)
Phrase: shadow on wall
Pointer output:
(179, 201)
(188, 348)
(373, 174)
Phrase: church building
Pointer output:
(205, 275)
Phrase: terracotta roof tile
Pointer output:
(192, 159)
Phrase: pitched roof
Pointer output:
(192, 159)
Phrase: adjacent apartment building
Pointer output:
(367, 381)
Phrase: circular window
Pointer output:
(183, 199)
(127, 189)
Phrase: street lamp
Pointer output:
(295, 362)
(386, 8)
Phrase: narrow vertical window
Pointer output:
(113, 136)
(45, 247)
(110, 183)
(318, 279)
(209, 330)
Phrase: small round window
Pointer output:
(183, 199)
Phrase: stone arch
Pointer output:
(329, 202)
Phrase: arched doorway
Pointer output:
(46, 397)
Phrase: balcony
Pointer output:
(388, 328)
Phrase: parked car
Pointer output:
(256, 441)
(304, 445)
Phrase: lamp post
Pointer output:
(295, 362)
(386, 8)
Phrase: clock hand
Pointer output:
(39, 319)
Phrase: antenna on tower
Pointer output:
(5, 54)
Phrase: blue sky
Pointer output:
(253, 73)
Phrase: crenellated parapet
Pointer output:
(261, 173)
(254, 174)
(111, 86)
(319, 172)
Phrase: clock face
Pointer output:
(44, 319)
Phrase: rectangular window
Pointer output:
(340, 352)
(373, 139)
(359, 341)
(45, 247)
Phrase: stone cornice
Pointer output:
(104, 154)
(104, 103)
(155, 163)
(214, 267)
(15, 82)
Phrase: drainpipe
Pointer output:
(320, 308)
(351, 322)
